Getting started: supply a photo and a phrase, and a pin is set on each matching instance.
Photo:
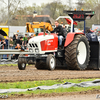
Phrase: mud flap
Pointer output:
(94, 55)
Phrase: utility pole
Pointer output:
(8, 21)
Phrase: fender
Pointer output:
(70, 38)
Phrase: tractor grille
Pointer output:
(34, 45)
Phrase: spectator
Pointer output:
(1, 46)
(25, 39)
(5, 46)
(64, 31)
(6, 43)
(15, 56)
(32, 35)
(91, 35)
(59, 31)
(20, 41)
(3, 42)
(11, 43)
(15, 37)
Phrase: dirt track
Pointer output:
(12, 73)
(68, 97)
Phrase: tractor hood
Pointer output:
(42, 44)
(41, 38)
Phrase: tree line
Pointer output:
(54, 9)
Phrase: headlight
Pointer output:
(36, 50)
(30, 50)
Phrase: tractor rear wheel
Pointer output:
(77, 53)
(21, 63)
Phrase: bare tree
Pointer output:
(70, 4)
(80, 4)
(93, 5)
(54, 9)
(14, 6)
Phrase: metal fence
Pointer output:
(12, 51)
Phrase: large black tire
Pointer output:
(77, 53)
(40, 64)
(21, 63)
(50, 62)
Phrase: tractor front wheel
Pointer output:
(21, 63)
(50, 62)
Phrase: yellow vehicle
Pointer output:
(4, 30)
(40, 23)
(37, 27)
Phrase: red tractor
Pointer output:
(45, 53)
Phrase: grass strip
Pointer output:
(8, 65)
(32, 84)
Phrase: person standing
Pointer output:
(5, 47)
(15, 56)
(11, 43)
(6, 43)
(15, 38)
(20, 41)
(64, 31)
(59, 31)
(2, 46)
(91, 36)
(25, 39)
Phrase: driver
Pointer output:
(59, 31)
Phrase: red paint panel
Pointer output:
(43, 45)
(55, 41)
(50, 44)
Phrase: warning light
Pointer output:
(81, 9)
(17, 30)
(93, 12)
(75, 9)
